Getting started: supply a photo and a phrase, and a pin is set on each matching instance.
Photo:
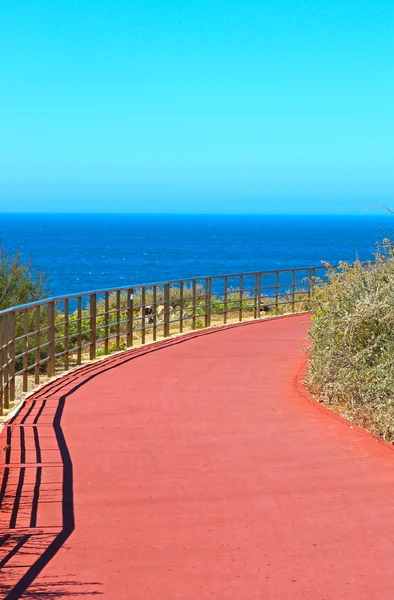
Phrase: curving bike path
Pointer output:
(194, 469)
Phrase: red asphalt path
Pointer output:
(195, 470)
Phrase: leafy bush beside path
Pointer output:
(352, 355)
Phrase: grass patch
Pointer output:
(352, 353)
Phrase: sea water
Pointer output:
(82, 252)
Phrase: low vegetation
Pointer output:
(19, 282)
(352, 353)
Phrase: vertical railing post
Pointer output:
(293, 286)
(181, 307)
(241, 281)
(208, 300)
(66, 335)
(12, 369)
(106, 323)
(1, 365)
(6, 362)
(12, 355)
(25, 350)
(277, 292)
(37, 344)
(154, 312)
(309, 283)
(93, 325)
(130, 316)
(51, 339)
(117, 327)
(143, 315)
(194, 292)
(79, 331)
(225, 300)
(257, 285)
(166, 309)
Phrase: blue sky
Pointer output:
(196, 106)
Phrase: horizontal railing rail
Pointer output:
(47, 337)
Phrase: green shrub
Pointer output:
(234, 303)
(111, 348)
(19, 283)
(352, 353)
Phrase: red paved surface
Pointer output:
(195, 471)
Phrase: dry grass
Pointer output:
(352, 355)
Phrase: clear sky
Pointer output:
(196, 105)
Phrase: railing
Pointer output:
(41, 339)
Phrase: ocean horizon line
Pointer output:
(196, 214)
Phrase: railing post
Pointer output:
(51, 339)
(106, 323)
(117, 339)
(93, 325)
(154, 312)
(293, 285)
(12, 356)
(257, 285)
(66, 335)
(1, 365)
(25, 350)
(241, 281)
(276, 292)
(166, 309)
(143, 315)
(208, 299)
(6, 362)
(225, 294)
(181, 307)
(79, 331)
(130, 316)
(37, 344)
(194, 292)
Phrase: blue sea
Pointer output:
(96, 251)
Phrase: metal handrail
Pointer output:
(158, 284)
(51, 335)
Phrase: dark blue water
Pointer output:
(85, 252)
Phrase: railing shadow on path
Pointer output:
(37, 470)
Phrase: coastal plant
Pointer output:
(233, 302)
(111, 348)
(20, 283)
(351, 361)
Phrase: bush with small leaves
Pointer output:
(351, 358)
